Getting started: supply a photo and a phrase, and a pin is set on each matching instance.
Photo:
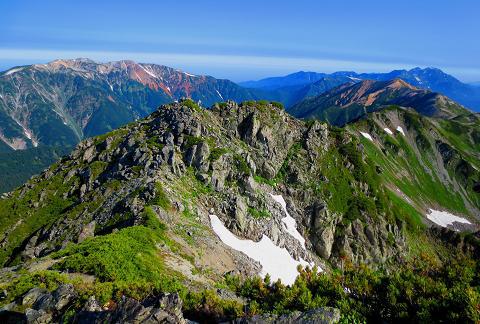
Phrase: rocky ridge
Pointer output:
(119, 173)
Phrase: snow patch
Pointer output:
(219, 94)
(418, 79)
(30, 137)
(367, 136)
(13, 71)
(27, 134)
(354, 79)
(274, 260)
(148, 72)
(444, 218)
(388, 130)
(190, 75)
(400, 129)
(289, 221)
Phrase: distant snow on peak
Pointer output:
(9, 72)
(187, 74)
(148, 72)
(354, 79)
(219, 94)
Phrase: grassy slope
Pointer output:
(411, 166)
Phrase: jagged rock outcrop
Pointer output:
(40, 306)
(230, 149)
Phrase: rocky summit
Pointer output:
(210, 215)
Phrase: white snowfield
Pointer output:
(444, 218)
(388, 130)
(274, 260)
(289, 221)
(367, 136)
(400, 129)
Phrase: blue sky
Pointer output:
(247, 39)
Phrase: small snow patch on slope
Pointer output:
(186, 73)
(148, 72)
(367, 136)
(388, 130)
(27, 134)
(289, 221)
(274, 260)
(219, 94)
(354, 79)
(13, 71)
(400, 129)
(444, 218)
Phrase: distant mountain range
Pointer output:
(64, 101)
(350, 101)
(303, 84)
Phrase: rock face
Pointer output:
(164, 309)
(40, 306)
(324, 315)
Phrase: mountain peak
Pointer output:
(350, 101)
(398, 83)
